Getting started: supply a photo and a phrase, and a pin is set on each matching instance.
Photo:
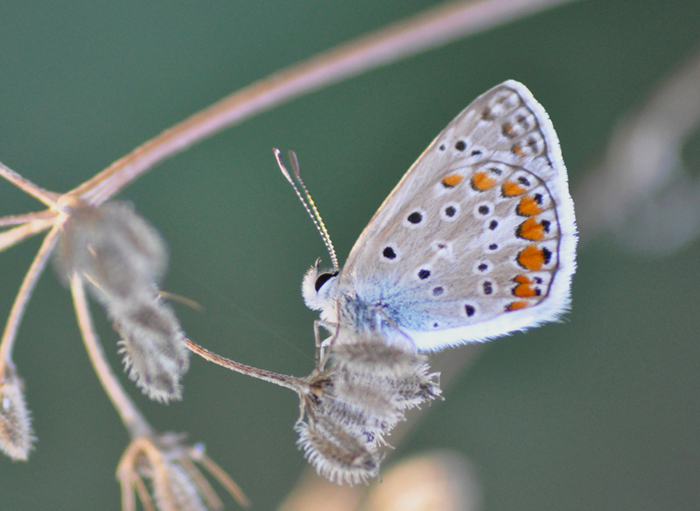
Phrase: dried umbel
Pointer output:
(153, 346)
(351, 401)
(120, 257)
(175, 481)
(123, 258)
(355, 401)
(16, 437)
(116, 249)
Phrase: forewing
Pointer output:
(478, 238)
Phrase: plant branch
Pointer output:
(424, 31)
(47, 214)
(134, 422)
(296, 384)
(13, 236)
(45, 196)
(18, 307)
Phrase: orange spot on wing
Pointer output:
(520, 304)
(533, 257)
(517, 150)
(524, 288)
(531, 230)
(528, 206)
(452, 180)
(481, 181)
(511, 189)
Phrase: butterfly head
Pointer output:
(318, 286)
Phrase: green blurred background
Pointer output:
(599, 412)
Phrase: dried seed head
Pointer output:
(175, 491)
(336, 454)
(373, 355)
(114, 248)
(153, 346)
(176, 482)
(16, 436)
(362, 401)
(351, 401)
(417, 388)
(355, 401)
(122, 256)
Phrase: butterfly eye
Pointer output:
(323, 278)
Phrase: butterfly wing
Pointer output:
(478, 239)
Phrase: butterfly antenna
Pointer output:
(307, 201)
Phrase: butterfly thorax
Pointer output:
(364, 316)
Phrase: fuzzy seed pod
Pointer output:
(153, 346)
(375, 356)
(174, 490)
(16, 436)
(169, 467)
(337, 454)
(123, 257)
(114, 248)
(355, 401)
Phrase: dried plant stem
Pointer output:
(298, 385)
(129, 504)
(424, 31)
(25, 291)
(27, 218)
(220, 475)
(134, 422)
(21, 233)
(48, 198)
(127, 476)
(205, 489)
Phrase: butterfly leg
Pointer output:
(323, 346)
(381, 316)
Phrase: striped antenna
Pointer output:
(307, 201)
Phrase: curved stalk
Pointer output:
(426, 30)
(25, 291)
(133, 420)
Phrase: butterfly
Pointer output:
(477, 240)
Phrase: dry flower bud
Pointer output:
(16, 437)
(360, 400)
(122, 257)
(355, 401)
(175, 491)
(351, 401)
(421, 386)
(114, 248)
(153, 346)
(336, 454)
(375, 356)
(176, 482)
